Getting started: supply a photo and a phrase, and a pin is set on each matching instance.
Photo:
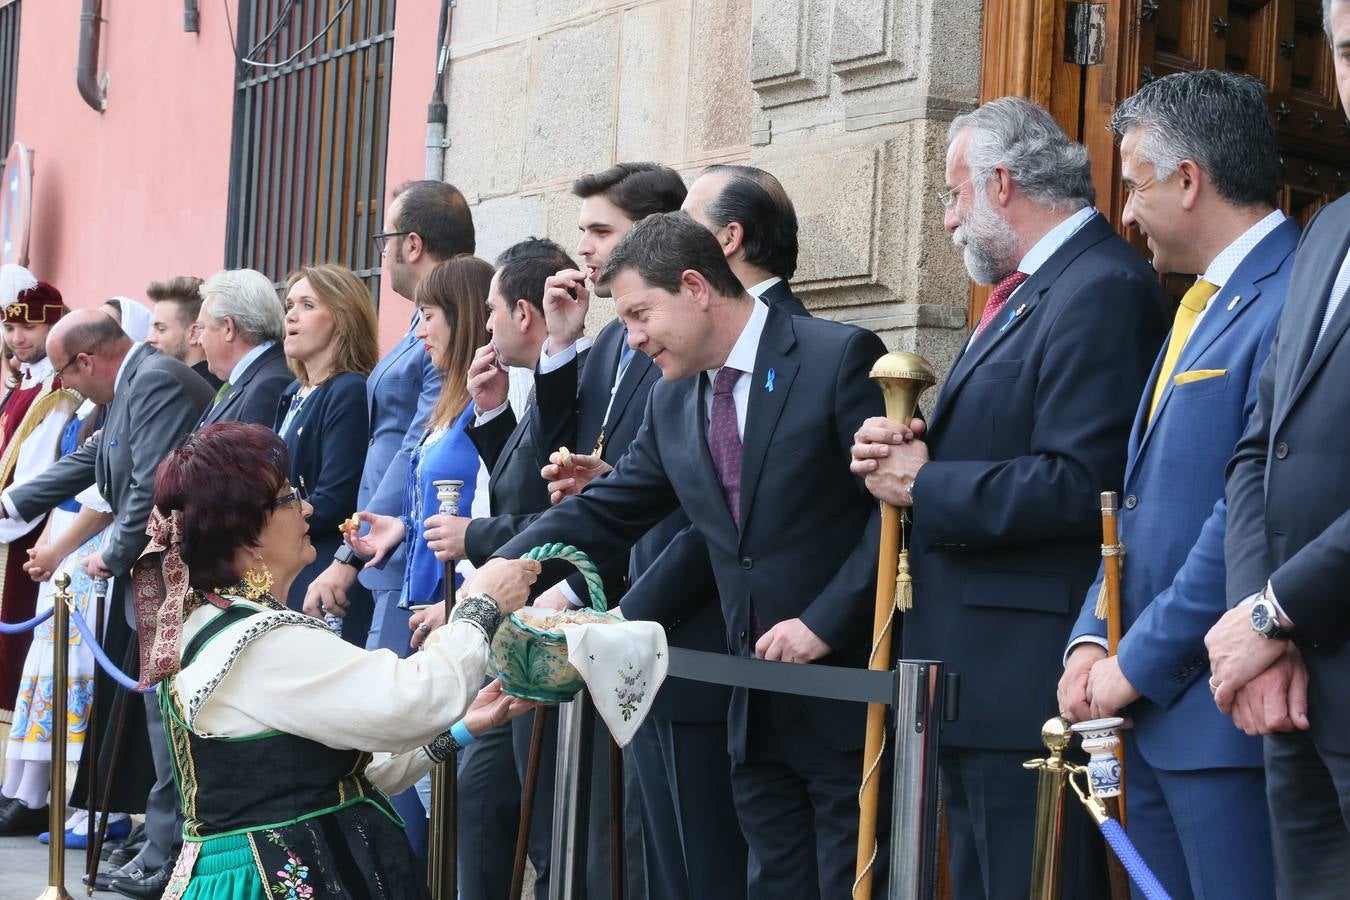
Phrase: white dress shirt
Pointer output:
(742, 358)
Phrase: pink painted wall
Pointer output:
(410, 91)
(138, 192)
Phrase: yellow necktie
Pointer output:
(1192, 304)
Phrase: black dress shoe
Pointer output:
(103, 881)
(151, 887)
(17, 819)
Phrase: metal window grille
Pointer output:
(9, 72)
(310, 135)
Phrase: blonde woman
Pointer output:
(322, 416)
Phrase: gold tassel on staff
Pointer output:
(442, 832)
(903, 377)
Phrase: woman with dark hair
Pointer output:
(331, 345)
(250, 688)
(452, 301)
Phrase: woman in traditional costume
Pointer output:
(284, 738)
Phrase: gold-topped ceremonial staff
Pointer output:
(443, 831)
(902, 377)
(56, 816)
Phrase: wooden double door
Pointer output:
(1027, 44)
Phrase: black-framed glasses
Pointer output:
(381, 240)
(297, 495)
(68, 364)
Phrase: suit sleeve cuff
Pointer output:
(570, 594)
(481, 419)
(1080, 641)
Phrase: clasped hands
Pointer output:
(1093, 686)
(888, 454)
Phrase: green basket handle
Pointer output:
(595, 586)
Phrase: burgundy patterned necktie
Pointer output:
(996, 300)
(724, 440)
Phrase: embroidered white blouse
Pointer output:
(284, 671)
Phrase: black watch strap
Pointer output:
(345, 554)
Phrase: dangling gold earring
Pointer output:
(258, 581)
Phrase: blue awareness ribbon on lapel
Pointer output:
(1012, 315)
(768, 381)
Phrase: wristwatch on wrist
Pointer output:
(1266, 621)
(346, 555)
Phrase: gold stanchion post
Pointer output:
(903, 377)
(56, 822)
(1056, 734)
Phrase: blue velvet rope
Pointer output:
(1129, 857)
(106, 664)
(21, 627)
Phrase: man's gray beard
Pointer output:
(988, 242)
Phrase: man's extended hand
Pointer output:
(1072, 693)
(568, 480)
(506, 581)
(327, 593)
(1237, 654)
(493, 707)
(889, 454)
(791, 641)
(1109, 691)
(566, 301)
(489, 384)
(553, 599)
(1275, 700)
(445, 536)
(94, 567)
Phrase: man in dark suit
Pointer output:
(756, 224)
(489, 782)
(1030, 426)
(242, 323)
(1200, 160)
(153, 401)
(731, 434)
(1280, 661)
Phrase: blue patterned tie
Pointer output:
(724, 440)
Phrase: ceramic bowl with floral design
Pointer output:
(529, 652)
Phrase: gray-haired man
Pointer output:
(1031, 424)
(241, 330)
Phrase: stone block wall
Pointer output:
(846, 101)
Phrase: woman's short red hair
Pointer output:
(224, 479)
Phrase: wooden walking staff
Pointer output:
(1108, 607)
(443, 832)
(56, 819)
(903, 377)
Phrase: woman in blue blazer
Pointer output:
(452, 307)
(331, 345)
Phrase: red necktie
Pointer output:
(724, 440)
(996, 300)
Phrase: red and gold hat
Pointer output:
(24, 299)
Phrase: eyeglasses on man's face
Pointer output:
(948, 198)
(382, 239)
(70, 362)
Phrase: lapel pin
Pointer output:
(1011, 316)
(1237, 298)
(768, 381)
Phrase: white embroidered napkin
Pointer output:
(623, 665)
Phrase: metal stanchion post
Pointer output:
(1054, 774)
(571, 799)
(442, 833)
(914, 820)
(56, 822)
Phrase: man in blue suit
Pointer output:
(427, 223)
(1201, 164)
